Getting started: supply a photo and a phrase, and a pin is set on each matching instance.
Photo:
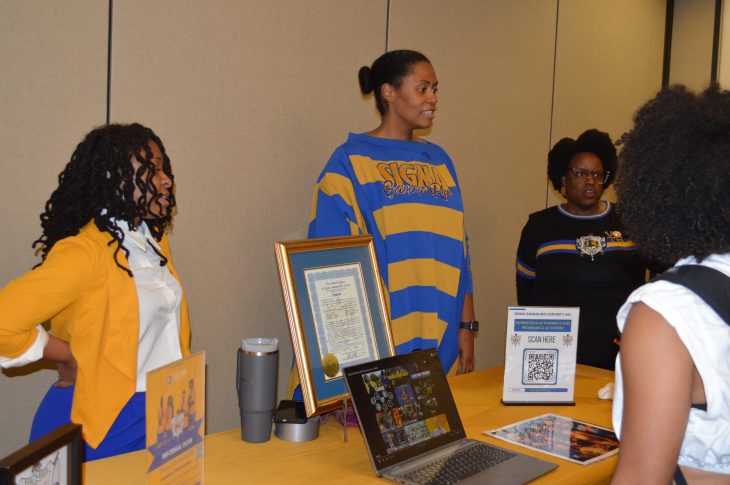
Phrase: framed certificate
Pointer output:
(54, 458)
(337, 312)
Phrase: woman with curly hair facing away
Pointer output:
(576, 254)
(403, 190)
(108, 287)
(672, 399)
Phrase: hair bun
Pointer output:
(364, 75)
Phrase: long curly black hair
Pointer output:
(594, 141)
(674, 183)
(98, 184)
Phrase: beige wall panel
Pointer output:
(494, 63)
(250, 98)
(53, 58)
(608, 63)
(691, 62)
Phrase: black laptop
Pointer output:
(413, 431)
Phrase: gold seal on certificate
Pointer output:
(330, 365)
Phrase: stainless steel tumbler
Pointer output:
(256, 378)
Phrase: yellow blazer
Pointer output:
(92, 304)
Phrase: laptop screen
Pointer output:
(404, 405)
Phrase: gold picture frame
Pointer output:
(337, 311)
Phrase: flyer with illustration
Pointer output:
(540, 352)
(176, 422)
(563, 437)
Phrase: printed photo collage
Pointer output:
(560, 436)
(405, 406)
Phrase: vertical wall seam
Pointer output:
(387, 25)
(552, 96)
(109, 65)
(668, 26)
(716, 41)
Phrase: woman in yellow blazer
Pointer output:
(108, 287)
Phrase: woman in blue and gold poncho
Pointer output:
(403, 191)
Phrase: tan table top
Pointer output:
(228, 460)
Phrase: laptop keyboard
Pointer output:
(460, 465)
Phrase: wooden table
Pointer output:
(228, 460)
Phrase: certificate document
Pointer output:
(341, 316)
(540, 354)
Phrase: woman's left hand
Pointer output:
(466, 351)
(66, 373)
(59, 352)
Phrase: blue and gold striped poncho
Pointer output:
(406, 195)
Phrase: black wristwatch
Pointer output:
(473, 325)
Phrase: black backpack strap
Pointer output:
(679, 477)
(711, 285)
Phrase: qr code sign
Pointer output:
(540, 366)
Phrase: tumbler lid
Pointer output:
(259, 344)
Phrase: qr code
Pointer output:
(540, 367)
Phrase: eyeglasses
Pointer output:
(599, 177)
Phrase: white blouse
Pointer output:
(706, 336)
(159, 295)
